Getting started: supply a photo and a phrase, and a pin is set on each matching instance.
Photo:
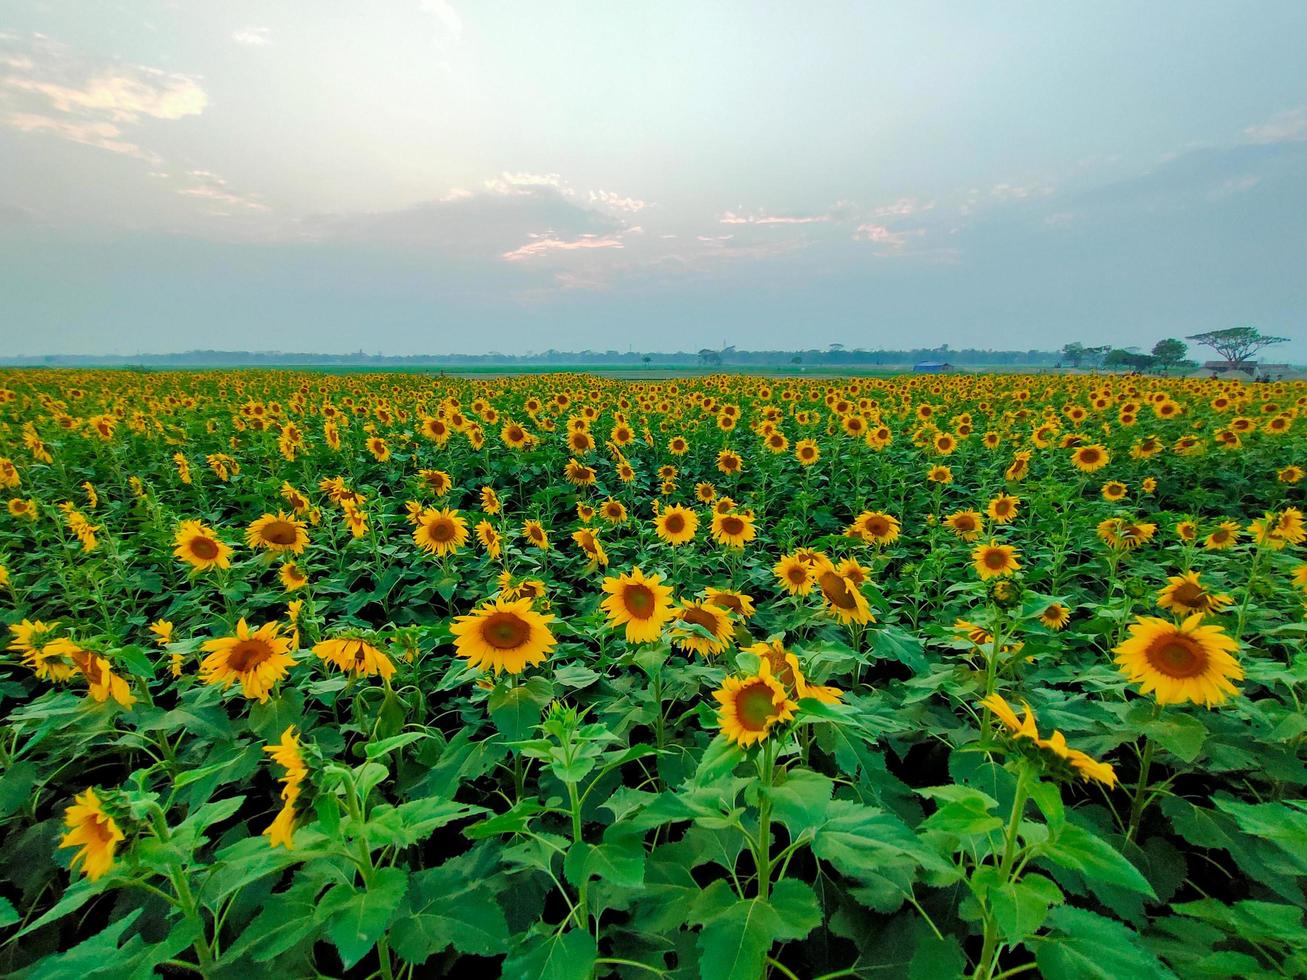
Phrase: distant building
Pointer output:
(931, 367)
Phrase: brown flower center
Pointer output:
(205, 549)
(1177, 656)
(995, 558)
(279, 533)
(505, 631)
(248, 654)
(674, 523)
(732, 525)
(638, 600)
(753, 706)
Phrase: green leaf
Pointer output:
(893, 643)
(569, 956)
(452, 905)
(1181, 735)
(1077, 848)
(285, 919)
(1087, 945)
(8, 914)
(966, 814)
(736, 938)
(375, 750)
(800, 801)
(357, 918)
(516, 710)
(1020, 907)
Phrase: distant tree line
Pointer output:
(834, 354)
(1236, 345)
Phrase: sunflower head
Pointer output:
(751, 706)
(503, 635)
(1178, 663)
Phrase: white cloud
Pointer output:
(548, 243)
(48, 88)
(762, 218)
(253, 36)
(1287, 127)
(525, 183)
(446, 17)
(209, 187)
(616, 202)
(102, 135)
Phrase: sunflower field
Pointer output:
(312, 675)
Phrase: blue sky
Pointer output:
(412, 176)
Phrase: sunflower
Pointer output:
(966, 524)
(489, 538)
(437, 481)
(785, 667)
(729, 462)
(257, 659)
(378, 448)
(200, 548)
(939, 474)
(750, 706)
(588, 541)
(1114, 490)
(355, 656)
(643, 605)
(286, 753)
(613, 511)
(714, 620)
(1187, 531)
(277, 533)
(534, 532)
(854, 572)
(676, 525)
(1185, 595)
(1224, 537)
(738, 603)
(1179, 663)
(1275, 530)
(93, 832)
(440, 532)
(994, 559)
(1003, 508)
(1090, 459)
(1291, 474)
(26, 509)
(1055, 616)
(292, 576)
(1020, 467)
(490, 501)
(1023, 728)
(794, 574)
(102, 683)
(876, 527)
(579, 474)
(844, 599)
(503, 634)
(733, 530)
(1300, 577)
(807, 452)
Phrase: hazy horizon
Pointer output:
(436, 176)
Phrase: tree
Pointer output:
(1074, 354)
(647, 358)
(1169, 352)
(1132, 359)
(1236, 344)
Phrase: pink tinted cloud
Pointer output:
(544, 244)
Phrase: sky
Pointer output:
(443, 176)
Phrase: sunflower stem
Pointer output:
(1140, 800)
